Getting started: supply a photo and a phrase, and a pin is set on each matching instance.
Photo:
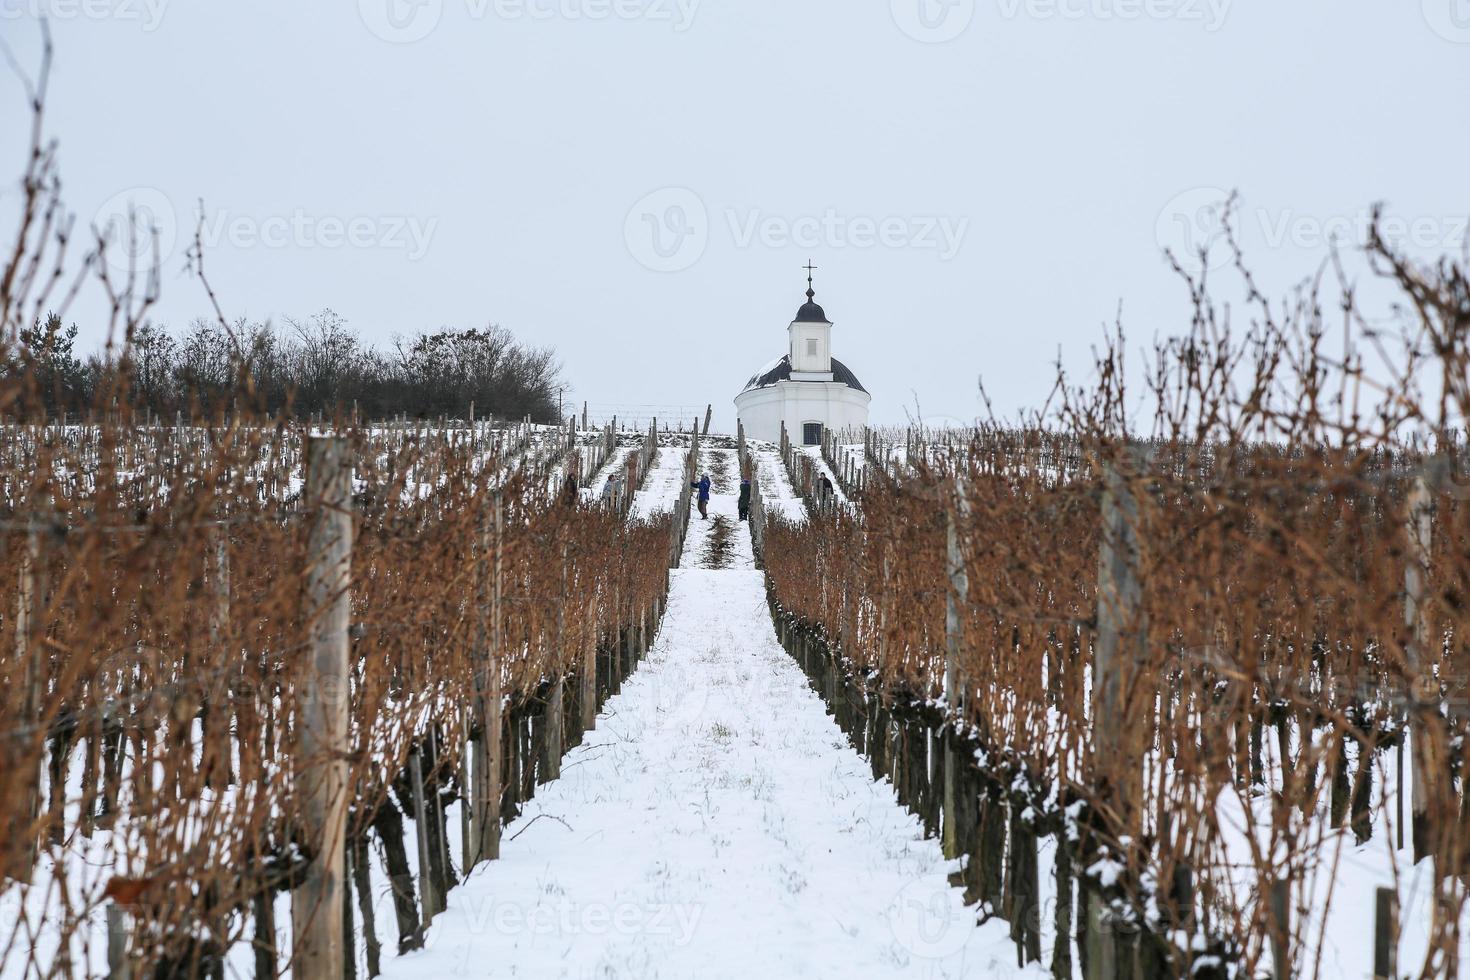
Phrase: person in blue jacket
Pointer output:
(702, 485)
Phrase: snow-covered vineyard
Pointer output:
(587, 732)
(442, 533)
(226, 647)
(716, 822)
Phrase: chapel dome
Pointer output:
(810, 312)
(781, 371)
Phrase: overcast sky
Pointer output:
(638, 182)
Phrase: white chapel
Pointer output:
(807, 388)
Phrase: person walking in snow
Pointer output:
(702, 485)
(745, 498)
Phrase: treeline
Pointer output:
(300, 369)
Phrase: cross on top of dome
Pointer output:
(810, 312)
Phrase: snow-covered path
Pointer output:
(665, 477)
(715, 824)
(780, 498)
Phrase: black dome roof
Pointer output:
(810, 312)
(781, 371)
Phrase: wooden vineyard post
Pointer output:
(29, 603)
(1281, 929)
(263, 911)
(216, 716)
(494, 725)
(757, 516)
(588, 679)
(349, 928)
(959, 588)
(478, 806)
(1101, 958)
(883, 600)
(1386, 935)
(316, 903)
(1398, 795)
(119, 963)
(1061, 955)
(642, 635)
(556, 698)
(362, 882)
(1116, 653)
(615, 663)
(1425, 732)
(1120, 632)
(433, 901)
(468, 807)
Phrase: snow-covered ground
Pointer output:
(722, 541)
(777, 494)
(715, 824)
(665, 478)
